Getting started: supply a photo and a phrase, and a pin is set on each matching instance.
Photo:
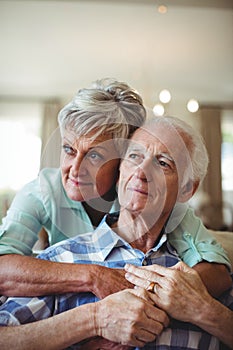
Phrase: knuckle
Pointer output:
(159, 328)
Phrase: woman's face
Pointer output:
(89, 167)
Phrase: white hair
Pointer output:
(108, 106)
(193, 142)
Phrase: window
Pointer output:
(227, 165)
(20, 147)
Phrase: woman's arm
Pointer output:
(28, 276)
(135, 325)
(181, 293)
(197, 247)
(215, 277)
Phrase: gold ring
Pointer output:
(151, 287)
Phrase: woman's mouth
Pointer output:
(78, 183)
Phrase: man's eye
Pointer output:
(133, 156)
(163, 164)
(68, 150)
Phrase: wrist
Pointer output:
(207, 313)
(95, 319)
(84, 277)
(91, 278)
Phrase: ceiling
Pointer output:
(52, 48)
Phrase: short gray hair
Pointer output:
(196, 146)
(108, 106)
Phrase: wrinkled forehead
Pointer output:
(90, 141)
(166, 135)
(165, 139)
(93, 135)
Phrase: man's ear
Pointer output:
(187, 191)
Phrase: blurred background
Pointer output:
(51, 49)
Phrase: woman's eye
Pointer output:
(68, 150)
(94, 156)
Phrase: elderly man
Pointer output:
(162, 166)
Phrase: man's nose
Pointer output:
(144, 171)
(78, 167)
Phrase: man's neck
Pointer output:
(139, 231)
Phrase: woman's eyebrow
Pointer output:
(98, 146)
(135, 148)
(65, 139)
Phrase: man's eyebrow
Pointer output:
(166, 155)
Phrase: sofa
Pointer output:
(226, 240)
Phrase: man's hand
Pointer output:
(106, 281)
(178, 290)
(103, 344)
(129, 317)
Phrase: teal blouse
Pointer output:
(44, 203)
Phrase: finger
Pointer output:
(143, 294)
(137, 281)
(153, 313)
(181, 266)
(141, 278)
(143, 271)
(157, 317)
(149, 334)
(146, 337)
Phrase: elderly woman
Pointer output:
(154, 176)
(73, 199)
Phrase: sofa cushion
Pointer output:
(226, 240)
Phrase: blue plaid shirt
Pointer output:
(105, 247)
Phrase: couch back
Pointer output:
(226, 240)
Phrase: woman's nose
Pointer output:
(78, 167)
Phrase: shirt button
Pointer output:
(144, 263)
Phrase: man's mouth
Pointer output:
(138, 190)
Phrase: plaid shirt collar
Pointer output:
(104, 239)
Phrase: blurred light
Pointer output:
(158, 110)
(162, 9)
(193, 106)
(165, 96)
(20, 151)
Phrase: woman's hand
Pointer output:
(105, 281)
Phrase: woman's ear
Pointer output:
(187, 191)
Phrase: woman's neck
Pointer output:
(96, 208)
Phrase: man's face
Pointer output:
(89, 167)
(150, 171)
